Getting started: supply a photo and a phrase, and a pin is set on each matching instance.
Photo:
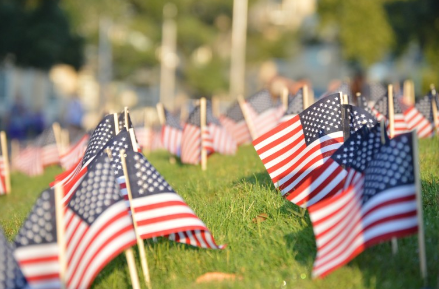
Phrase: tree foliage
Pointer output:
(37, 34)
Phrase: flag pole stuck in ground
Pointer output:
(4, 163)
(140, 245)
(60, 233)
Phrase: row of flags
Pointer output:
(112, 198)
(359, 184)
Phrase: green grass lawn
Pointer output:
(276, 253)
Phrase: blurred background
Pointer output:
(70, 61)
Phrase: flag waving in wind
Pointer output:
(98, 227)
(381, 207)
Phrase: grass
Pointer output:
(276, 253)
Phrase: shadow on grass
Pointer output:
(261, 178)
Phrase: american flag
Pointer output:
(381, 111)
(215, 137)
(36, 244)
(342, 168)
(98, 226)
(172, 133)
(159, 210)
(295, 105)
(49, 150)
(300, 145)
(121, 140)
(11, 276)
(262, 112)
(75, 153)
(362, 102)
(377, 209)
(28, 161)
(420, 117)
(234, 122)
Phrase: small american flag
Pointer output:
(49, 150)
(215, 137)
(262, 112)
(98, 226)
(300, 145)
(343, 168)
(420, 117)
(28, 161)
(159, 210)
(36, 244)
(11, 276)
(234, 122)
(374, 91)
(381, 111)
(295, 105)
(75, 153)
(172, 133)
(380, 207)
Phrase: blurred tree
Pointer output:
(37, 34)
(417, 21)
(137, 30)
(363, 29)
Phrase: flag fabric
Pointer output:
(341, 169)
(143, 135)
(11, 276)
(374, 91)
(363, 103)
(262, 112)
(121, 120)
(420, 117)
(121, 140)
(172, 133)
(375, 210)
(381, 111)
(2, 173)
(36, 247)
(215, 137)
(75, 153)
(98, 226)
(156, 139)
(159, 210)
(295, 105)
(234, 122)
(46, 142)
(298, 146)
(28, 161)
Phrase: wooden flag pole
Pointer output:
(57, 132)
(161, 113)
(421, 240)
(284, 97)
(125, 112)
(203, 128)
(140, 245)
(60, 233)
(434, 109)
(408, 91)
(246, 117)
(65, 141)
(390, 111)
(215, 106)
(116, 123)
(129, 255)
(305, 97)
(7, 171)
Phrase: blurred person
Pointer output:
(75, 113)
(17, 119)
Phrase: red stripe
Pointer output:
(31, 279)
(31, 261)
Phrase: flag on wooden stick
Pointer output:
(98, 226)
(36, 244)
(172, 133)
(420, 117)
(159, 210)
(295, 105)
(234, 122)
(380, 207)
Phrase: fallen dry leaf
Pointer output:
(216, 276)
(260, 218)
